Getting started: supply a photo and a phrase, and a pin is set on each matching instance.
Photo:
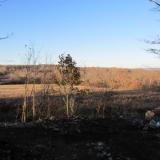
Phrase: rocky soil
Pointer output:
(79, 139)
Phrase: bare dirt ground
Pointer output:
(79, 139)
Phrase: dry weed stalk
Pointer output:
(45, 92)
(30, 77)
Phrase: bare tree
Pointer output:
(156, 41)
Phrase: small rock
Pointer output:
(149, 115)
(109, 155)
(100, 146)
(110, 158)
(152, 124)
(158, 124)
(52, 118)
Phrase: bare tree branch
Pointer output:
(1, 38)
(156, 2)
(2, 1)
(154, 51)
(155, 41)
(5, 37)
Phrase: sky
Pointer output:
(99, 33)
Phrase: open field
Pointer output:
(110, 78)
(16, 91)
(129, 103)
(13, 91)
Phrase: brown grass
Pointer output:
(13, 91)
(122, 79)
(110, 78)
(126, 98)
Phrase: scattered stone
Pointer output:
(99, 146)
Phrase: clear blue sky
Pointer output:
(95, 32)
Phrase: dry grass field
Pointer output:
(18, 90)
(13, 91)
(125, 91)
(129, 103)
(110, 78)
(132, 90)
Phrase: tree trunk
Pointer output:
(67, 105)
(24, 110)
(34, 106)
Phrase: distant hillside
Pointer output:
(111, 78)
